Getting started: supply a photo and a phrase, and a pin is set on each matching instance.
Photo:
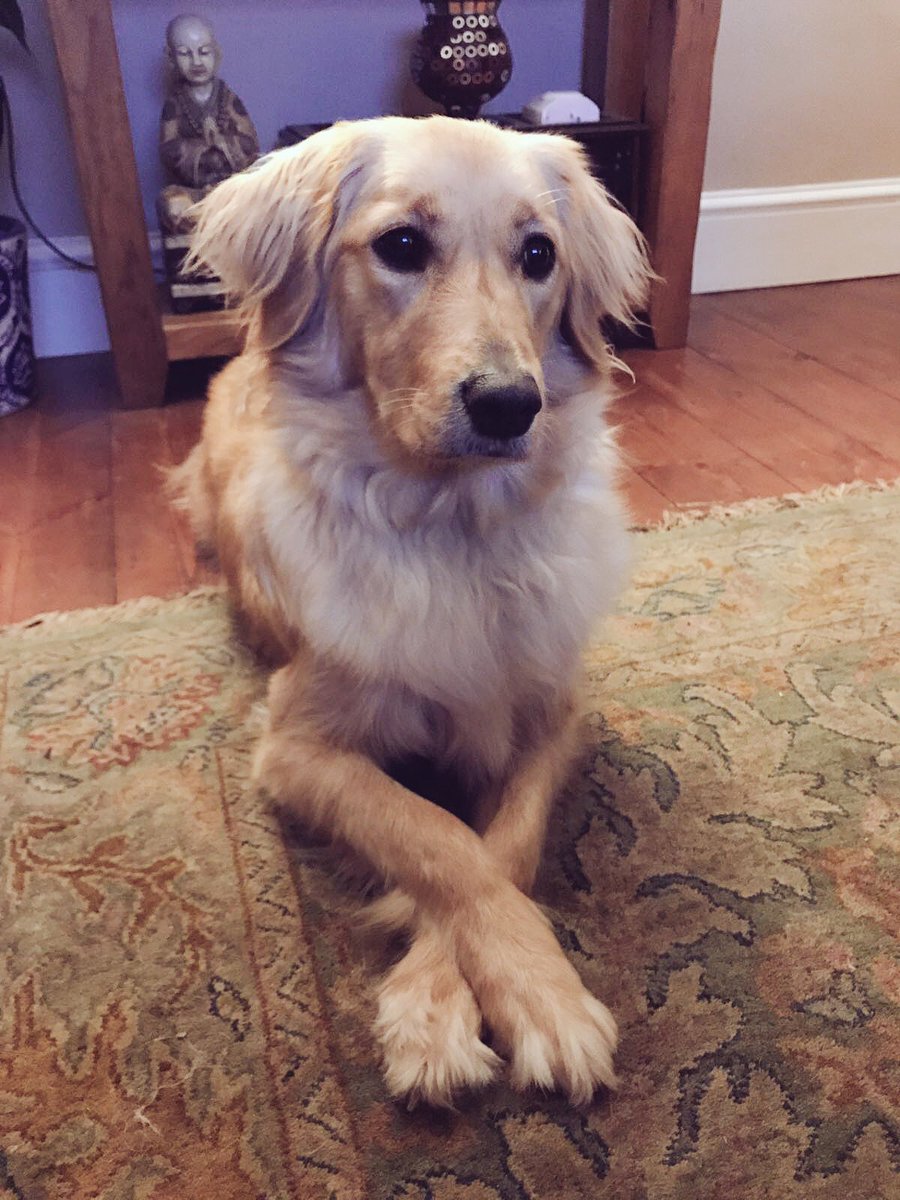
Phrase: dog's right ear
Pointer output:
(606, 256)
(264, 231)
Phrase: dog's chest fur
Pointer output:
(444, 616)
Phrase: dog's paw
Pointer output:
(429, 1027)
(553, 1031)
(560, 1037)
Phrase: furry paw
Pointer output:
(562, 1038)
(429, 1027)
(553, 1031)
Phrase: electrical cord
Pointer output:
(6, 127)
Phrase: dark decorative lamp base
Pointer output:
(462, 57)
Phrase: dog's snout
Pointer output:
(501, 407)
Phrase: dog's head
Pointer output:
(450, 262)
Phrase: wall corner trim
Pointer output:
(810, 233)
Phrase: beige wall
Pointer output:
(805, 91)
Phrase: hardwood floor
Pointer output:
(778, 391)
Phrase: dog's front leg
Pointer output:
(516, 828)
(554, 1031)
(429, 1021)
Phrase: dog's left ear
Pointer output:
(603, 250)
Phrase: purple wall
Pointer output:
(46, 165)
(288, 60)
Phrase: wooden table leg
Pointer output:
(652, 60)
(620, 51)
(681, 41)
(85, 43)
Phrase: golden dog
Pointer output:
(406, 478)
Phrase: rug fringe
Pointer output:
(136, 607)
(690, 514)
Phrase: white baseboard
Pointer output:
(767, 237)
(67, 312)
(746, 238)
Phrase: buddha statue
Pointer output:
(205, 135)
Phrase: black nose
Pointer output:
(501, 408)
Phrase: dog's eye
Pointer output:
(404, 249)
(538, 257)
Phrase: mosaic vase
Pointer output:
(16, 347)
(462, 57)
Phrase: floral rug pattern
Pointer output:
(186, 995)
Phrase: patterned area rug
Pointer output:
(186, 998)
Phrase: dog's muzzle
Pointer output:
(500, 407)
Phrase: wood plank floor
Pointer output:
(778, 391)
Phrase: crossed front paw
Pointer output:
(500, 966)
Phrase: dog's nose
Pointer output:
(501, 408)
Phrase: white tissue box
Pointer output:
(560, 108)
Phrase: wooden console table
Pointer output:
(647, 60)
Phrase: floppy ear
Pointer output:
(605, 253)
(264, 231)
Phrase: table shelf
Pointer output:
(216, 334)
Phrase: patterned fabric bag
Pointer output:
(16, 346)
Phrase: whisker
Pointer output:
(553, 193)
(401, 399)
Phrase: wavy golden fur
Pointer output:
(407, 480)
